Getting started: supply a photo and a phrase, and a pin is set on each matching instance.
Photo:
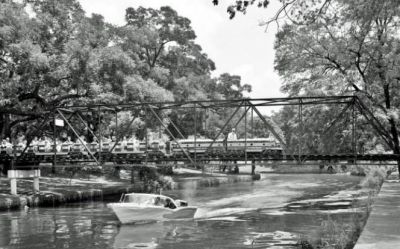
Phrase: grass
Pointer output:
(336, 235)
(374, 179)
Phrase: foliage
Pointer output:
(241, 6)
(319, 130)
(334, 234)
(351, 48)
(337, 47)
(53, 55)
(374, 179)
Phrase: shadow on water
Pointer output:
(270, 213)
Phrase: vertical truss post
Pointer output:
(354, 142)
(195, 135)
(205, 120)
(53, 169)
(100, 140)
(245, 133)
(300, 130)
(14, 152)
(146, 136)
(116, 124)
(252, 123)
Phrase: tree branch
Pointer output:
(31, 118)
(33, 95)
(58, 100)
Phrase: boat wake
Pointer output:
(221, 214)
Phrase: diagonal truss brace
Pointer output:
(225, 125)
(77, 135)
(337, 118)
(376, 124)
(269, 126)
(87, 127)
(170, 133)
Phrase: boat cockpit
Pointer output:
(152, 200)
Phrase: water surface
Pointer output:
(272, 213)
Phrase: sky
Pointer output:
(239, 46)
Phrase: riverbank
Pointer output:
(331, 168)
(335, 234)
(382, 229)
(55, 191)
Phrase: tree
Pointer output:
(230, 86)
(151, 31)
(352, 48)
(241, 6)
(337, 46)
(36, 53)
(56, 56)
(295, 11)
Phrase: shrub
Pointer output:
(373, 179)
(334, 235)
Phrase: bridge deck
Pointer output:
(200, 158)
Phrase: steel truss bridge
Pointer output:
(241, 108)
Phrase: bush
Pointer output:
(334, 235)
(374, 179)
(166, 182)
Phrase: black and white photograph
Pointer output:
(199, 124)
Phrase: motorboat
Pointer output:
(144, 208)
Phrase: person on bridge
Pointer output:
(232, 135)
(6, 145)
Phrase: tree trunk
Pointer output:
(393, 128)
(5, 126)
(2, 126)
(396, 146)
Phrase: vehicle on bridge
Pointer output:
(127, 151)
(265, 146)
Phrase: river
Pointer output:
(272, 213)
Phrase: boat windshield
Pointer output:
(139, 199)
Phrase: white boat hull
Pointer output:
(128, 213)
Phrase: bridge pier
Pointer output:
(13, 175)
(13, 186)
(253, 167)
(36, 184)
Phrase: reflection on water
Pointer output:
(271, 213)
(68, 227)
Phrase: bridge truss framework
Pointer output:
(154, 109)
